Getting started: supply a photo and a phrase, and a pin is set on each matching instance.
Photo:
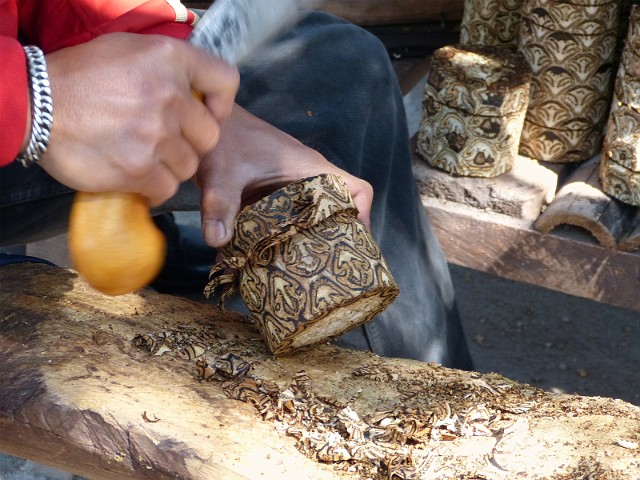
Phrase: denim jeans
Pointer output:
(331, 85)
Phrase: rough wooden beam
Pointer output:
(513, 249)
(383, 12)
(520, 193)
(582, 203)
(77, 394)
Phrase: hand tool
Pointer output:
(113, 242)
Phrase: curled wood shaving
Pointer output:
(147, 419)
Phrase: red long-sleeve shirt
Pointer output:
(56, 24)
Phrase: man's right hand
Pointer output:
(124, 116)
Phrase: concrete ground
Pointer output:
(549, 339)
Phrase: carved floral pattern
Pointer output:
(306, 268)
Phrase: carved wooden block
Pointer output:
(475, 100)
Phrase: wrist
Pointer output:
(40, 113)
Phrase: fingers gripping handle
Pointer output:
(113, 241)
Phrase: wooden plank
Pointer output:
(511, 248)
(582, 203)
(520, 193)
(417, 40)
(198, 5)
(77, 394)
(383, 12)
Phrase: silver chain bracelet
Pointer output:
(41, 107)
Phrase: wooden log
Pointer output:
(570, 261)
(78, 394)
(520, 193)
(582, 203)
(386, 12)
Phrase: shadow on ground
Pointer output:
(548, 339)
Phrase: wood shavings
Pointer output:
(429, 415)
(149, 419)
(627, 444)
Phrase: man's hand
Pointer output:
(124, 116)
(252, 159)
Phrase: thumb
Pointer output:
(219, 206)
(362, 195)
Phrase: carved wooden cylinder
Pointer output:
(475, 100)
(571, 48)
(620, 162)
(306, 267)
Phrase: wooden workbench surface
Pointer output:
(77, 393)
(496, 226)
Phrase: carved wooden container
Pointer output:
(475, 101)
(571, 48)
(620, 162)
(633, 34)
(306, 267)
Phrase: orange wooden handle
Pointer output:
(113, 241)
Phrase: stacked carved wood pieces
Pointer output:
(475, 100)
(572, 49)
(620, 166)
(491, 22)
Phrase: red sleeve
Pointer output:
(56, 24)
(13, 98)
(13, 85)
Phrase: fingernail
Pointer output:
(214, 232)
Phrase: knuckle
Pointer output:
(190, 166)
(210, 139)
(165, 48)
(138, 165)
(209, 196)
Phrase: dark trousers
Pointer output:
(331, 85)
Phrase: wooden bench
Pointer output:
(545, 224)
(101, 387)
